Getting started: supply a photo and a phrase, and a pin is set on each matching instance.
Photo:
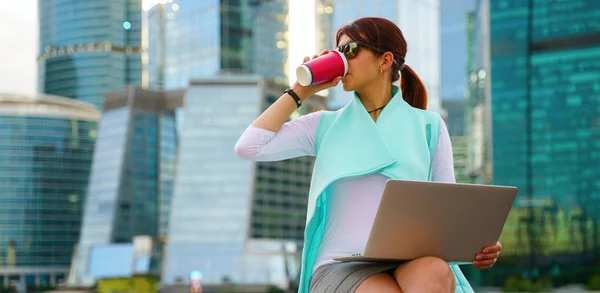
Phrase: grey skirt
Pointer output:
(345, 277)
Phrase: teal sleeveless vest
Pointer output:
(348, 143)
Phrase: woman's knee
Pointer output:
(432, 269)
(440, 270)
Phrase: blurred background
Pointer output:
(118, 120)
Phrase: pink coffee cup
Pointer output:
(322, 69)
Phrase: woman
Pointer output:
(384, 132)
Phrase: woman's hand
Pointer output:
(304, 92)
(488, 256)
(279, 112)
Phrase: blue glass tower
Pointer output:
(545, 105)
(46, 147)
(204, 38)
(131, 178)
(89, 47)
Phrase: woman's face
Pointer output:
(362, 69)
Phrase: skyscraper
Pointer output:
(419, 21)
(325, 34)
(132, 174)
(212, 46)
(453, 43)
(233, 219)
(46, 147)
(545, 101)
(478, 123)
(269, 41)
(89, 47)
(203, 38)
(154, 23)
(455, 119)
(459, 151)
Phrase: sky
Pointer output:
(18, 46)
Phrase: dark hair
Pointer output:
(386, 35)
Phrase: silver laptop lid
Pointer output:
(451, 221)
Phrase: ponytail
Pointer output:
(413, 89)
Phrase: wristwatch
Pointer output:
(293, 94)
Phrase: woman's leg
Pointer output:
(382, 282)
(426, 274)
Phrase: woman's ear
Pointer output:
(388, 60)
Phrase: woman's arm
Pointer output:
(271, 138)
(277, 114)
(443, 160)
(295, 138)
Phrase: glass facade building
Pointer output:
(212, 46)
(281, 188)
(419, 21)
(132, 173)
(46, 147)
(459, 151)
(455, 120)
(192, 41)
(269, 41)
(204, 38)
(231, 218)
(89, 47)
(478, 118)
(545, 104)
(211, 201)
(155, 30)
(453, 45)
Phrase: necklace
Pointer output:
(380, 108)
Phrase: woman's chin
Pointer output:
(347, 86)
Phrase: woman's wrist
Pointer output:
(300, 91)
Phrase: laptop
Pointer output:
(451, 221)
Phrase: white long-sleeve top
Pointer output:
(354, 200)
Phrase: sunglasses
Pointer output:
(350, 50)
